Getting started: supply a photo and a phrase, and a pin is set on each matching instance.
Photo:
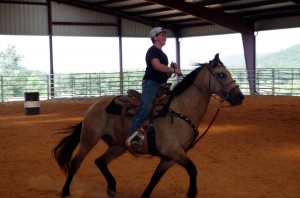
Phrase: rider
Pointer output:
(157, 72)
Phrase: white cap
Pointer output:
(156, 31)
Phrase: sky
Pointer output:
(101, 54)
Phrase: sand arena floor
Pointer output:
(251, 151)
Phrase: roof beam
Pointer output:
(81, 4)
(251, 5)
(132, 6)
(170, 15)
(151, 11)
(268, 13)
(296, 1)
(209, 2)
(107, 2)
(229, 21)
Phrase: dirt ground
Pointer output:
(251, 151)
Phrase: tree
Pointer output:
(10, 62)
(12, 73)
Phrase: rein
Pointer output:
(226, 89)
(221, 100)
(210, 124)
(196, 132)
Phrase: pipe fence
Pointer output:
(267, 82)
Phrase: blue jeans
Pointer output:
(149, 91)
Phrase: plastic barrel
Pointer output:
(32, 103)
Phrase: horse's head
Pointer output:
(212, 78)
(222, 84)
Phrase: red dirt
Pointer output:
(252, 150)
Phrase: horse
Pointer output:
(175, 133)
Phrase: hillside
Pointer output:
(286, 58)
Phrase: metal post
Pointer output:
(120, 54)
(292, 83)
(48, 87)
(50, 32)
(2, 89)
(273, 81)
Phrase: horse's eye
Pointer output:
(221, 75)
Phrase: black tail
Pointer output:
(65, 148)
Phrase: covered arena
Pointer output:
(251, 151)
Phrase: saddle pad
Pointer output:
(115, 109)
(112, 108)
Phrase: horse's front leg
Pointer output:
(192, 171)
(162, 167)
(179, 156)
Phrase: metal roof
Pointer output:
(135, 18)
(236, 15)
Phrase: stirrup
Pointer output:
(140, 134)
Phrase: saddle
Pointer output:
(131, 101)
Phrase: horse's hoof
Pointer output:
(65, 195)
(110, 193)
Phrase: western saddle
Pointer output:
(131, 101)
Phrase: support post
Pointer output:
(249, 52)
(50, 32)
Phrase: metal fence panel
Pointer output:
(267, 82)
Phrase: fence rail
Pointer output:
(267, 82)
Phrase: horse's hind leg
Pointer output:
(111, 153)
(162, 167)
(75, 165)
(88, 140)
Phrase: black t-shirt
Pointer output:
(151, 73)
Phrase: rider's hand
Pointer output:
(178, 72)
(174, 65)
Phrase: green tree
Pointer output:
(12, 73)
(10, 62)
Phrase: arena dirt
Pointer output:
(251, 151)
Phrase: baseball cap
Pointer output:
(156, 31)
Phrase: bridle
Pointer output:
(226, 89)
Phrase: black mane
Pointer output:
(186, 82)
(189, 79)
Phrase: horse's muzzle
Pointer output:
(236, 98)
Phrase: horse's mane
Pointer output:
(187, 81)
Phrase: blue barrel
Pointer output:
(32, 103)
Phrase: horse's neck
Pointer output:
(192, 103)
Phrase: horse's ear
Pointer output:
(216, 60)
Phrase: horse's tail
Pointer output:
(63, 151)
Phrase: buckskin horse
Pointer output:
(176, 132)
